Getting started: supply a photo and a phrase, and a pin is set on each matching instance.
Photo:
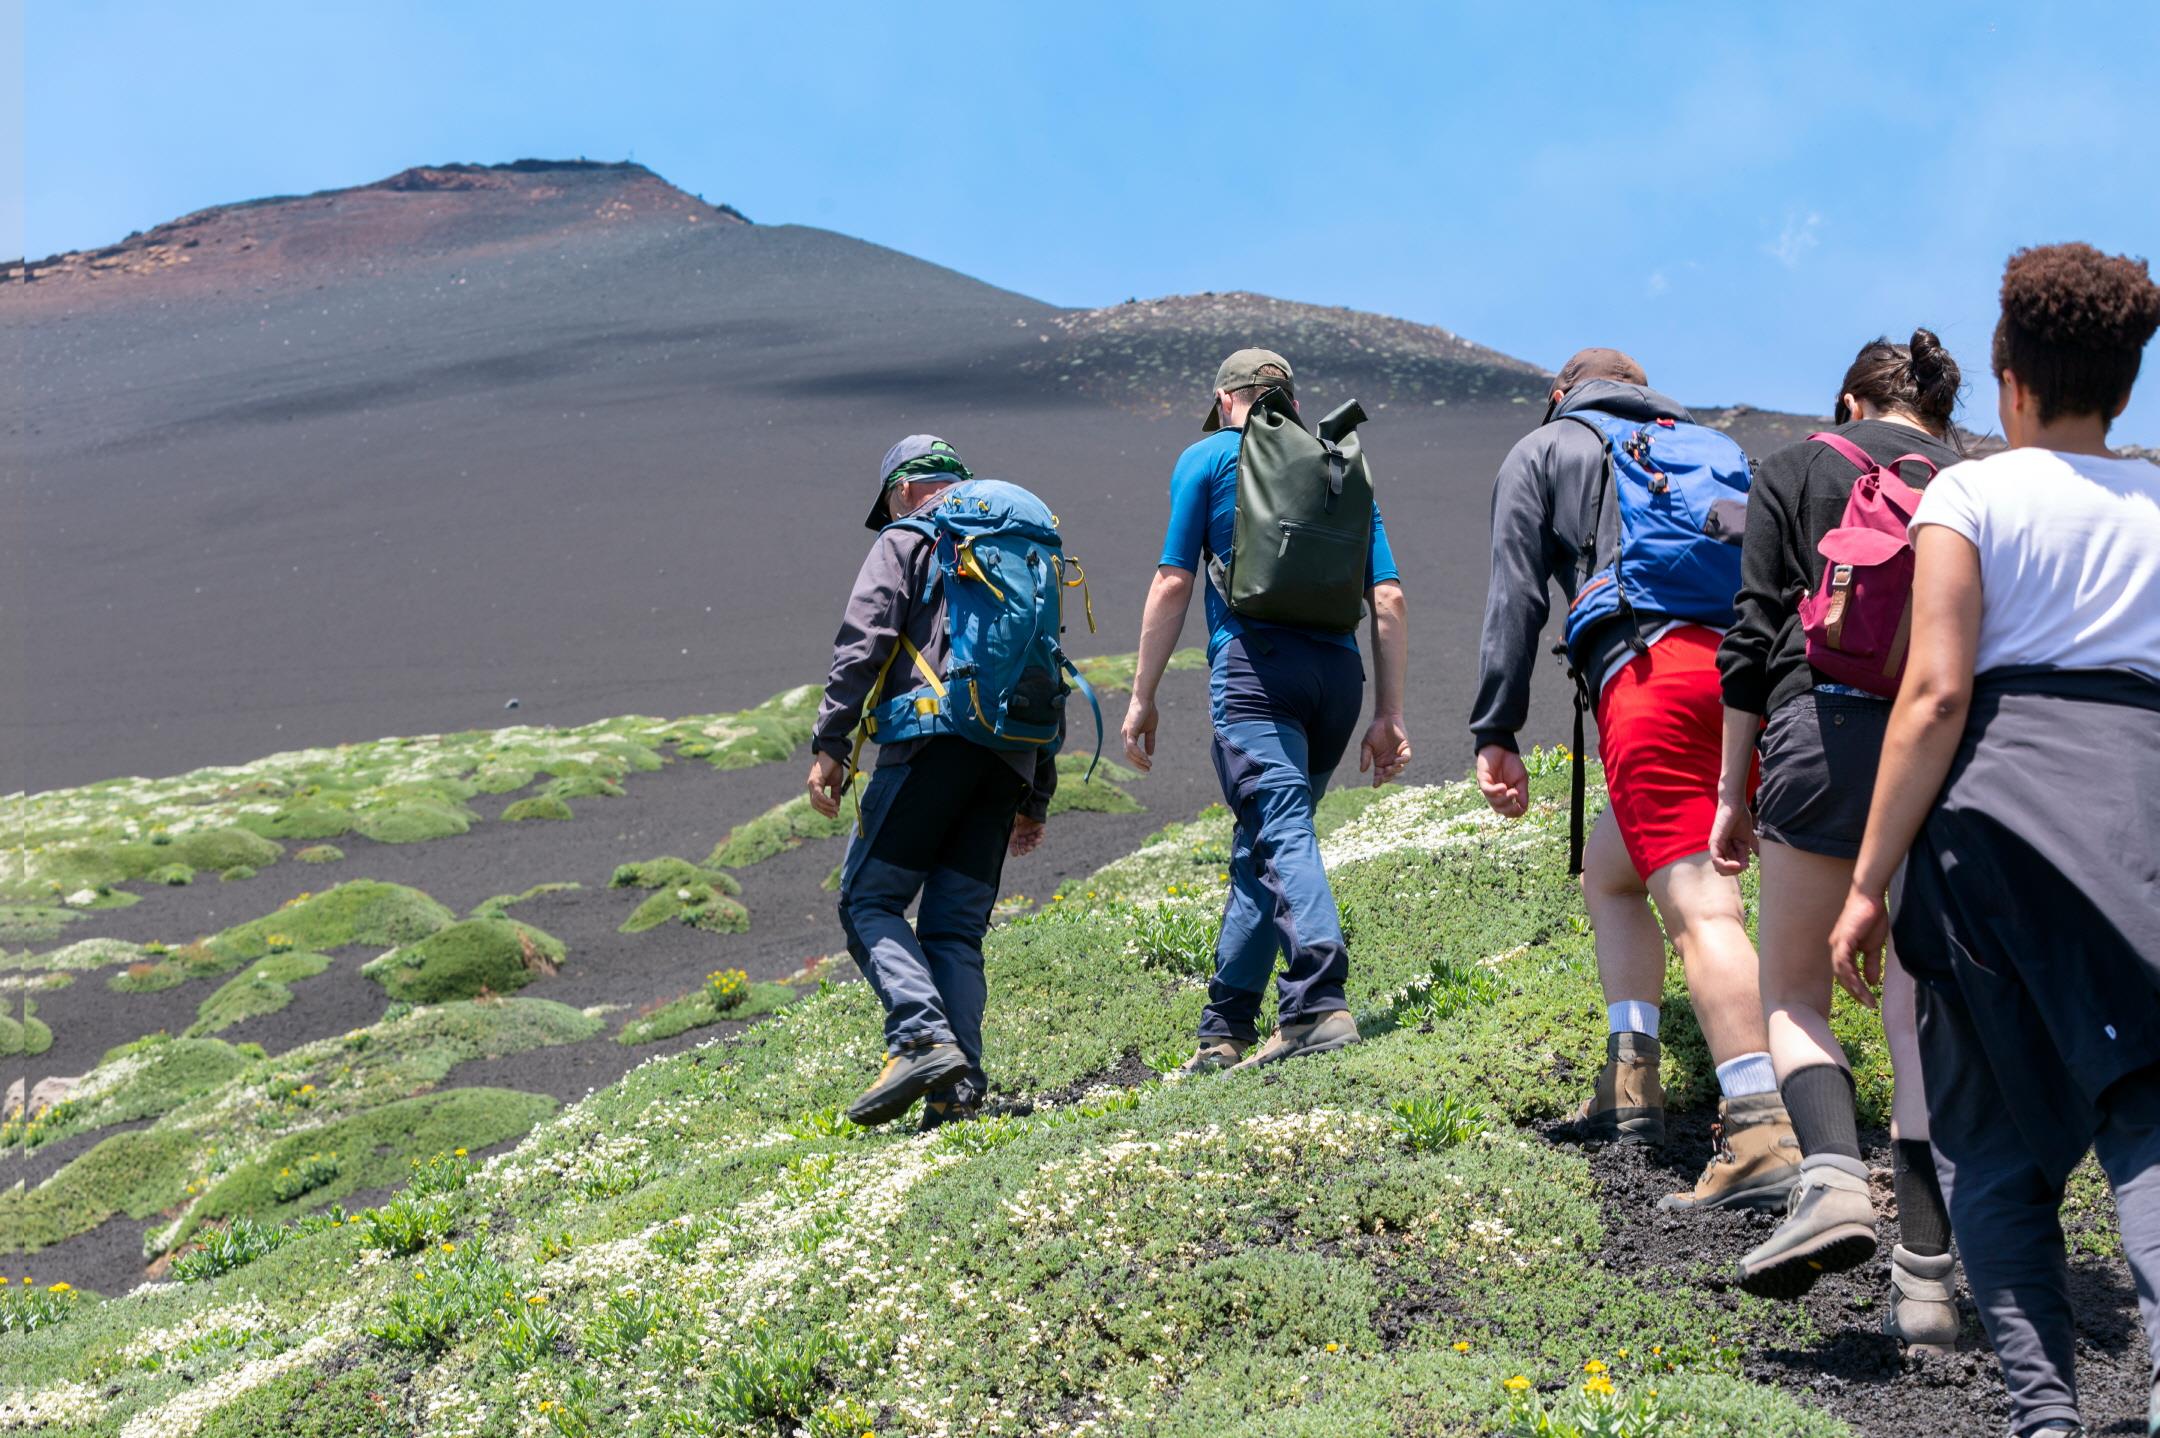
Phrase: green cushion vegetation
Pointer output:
(540, 806)
(466, 959)
(785, 826)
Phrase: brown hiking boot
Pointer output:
(1829, 1227)
(1213, 1056)
(1923, 1312)
(1754, 1158)
(908, 1075)
(1332, 1030)
(1629, 1103)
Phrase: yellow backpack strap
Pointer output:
(1087, 600)
(867, 728)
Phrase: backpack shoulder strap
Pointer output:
(1852, 453)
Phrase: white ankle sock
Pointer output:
(1632, 1016)
(1747, 1074)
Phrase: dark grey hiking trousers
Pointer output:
(2005, 1203)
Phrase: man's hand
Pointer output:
(1503, 780)
(827, 776)
(1140, 720)
(1386, 750)
(1732, 838)
(1027, 834)
(1856, 945)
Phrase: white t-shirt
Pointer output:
(2069, 556)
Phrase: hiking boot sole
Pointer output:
(1793, 1273)
(876, 1108)
(1259, 1061)
(1762, 1198)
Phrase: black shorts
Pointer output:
(1819, 756)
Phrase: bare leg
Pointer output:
(1703, 914)
(1802, 894)
(1630, 947)
(1908, 1102)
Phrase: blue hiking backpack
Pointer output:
(1003, 569)
(1670, 547)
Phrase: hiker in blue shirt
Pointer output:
(1284, 702)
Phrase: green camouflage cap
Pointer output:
(1242, 370)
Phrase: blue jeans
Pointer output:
(936, 826)
(1284, 709)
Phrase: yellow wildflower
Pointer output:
(449, 1248)
(1516, 1384)
(60, 1288)
(461, 1153)
(1593, 1366)
(1462, 1347)
(1334, 1348)
(1600, 1385)
(536, 1300)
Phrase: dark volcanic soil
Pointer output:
(1853, 1370)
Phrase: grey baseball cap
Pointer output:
(919, 456)
(1243, 369)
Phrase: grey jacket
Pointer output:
(1544, 522)
(886, 604)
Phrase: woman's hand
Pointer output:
(1732, 838)
(1856, 945)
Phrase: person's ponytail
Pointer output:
(1935, 381)
(1919, 380)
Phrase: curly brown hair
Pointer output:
(2074, 324)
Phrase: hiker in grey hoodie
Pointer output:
(1659, 731)
(938, 818)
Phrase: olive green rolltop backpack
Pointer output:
(1303, 534)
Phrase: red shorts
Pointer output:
(1661, 736)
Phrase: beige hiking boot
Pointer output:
(1213, 1056)
(1923, 1313)
(1829, 1227)
(1332, 1030)
(1629, 1101)
(1754, 1158)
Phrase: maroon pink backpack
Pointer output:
(1858, 621)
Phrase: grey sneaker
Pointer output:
(1333, 1030)
(1923, 1314)
(1213, 1056)
(906, 1077)
(1829, 1227)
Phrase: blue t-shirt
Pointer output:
(1203, 517)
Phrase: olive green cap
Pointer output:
(1240, 371)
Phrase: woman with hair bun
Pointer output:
(1818, 752)
(2020, 790)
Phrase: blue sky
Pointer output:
(1740, 195)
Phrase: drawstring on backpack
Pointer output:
(1087, 600)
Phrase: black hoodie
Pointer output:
(1544, 518)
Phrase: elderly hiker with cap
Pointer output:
(957, 786)
(1577, 500)
(1296, 551)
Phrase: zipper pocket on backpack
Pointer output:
(1317, 531)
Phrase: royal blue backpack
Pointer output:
(1670, 546)
(1003, 569)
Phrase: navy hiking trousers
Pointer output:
(1285, 706)
(936, 826)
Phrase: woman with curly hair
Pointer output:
(1819, 741)
(2020, 788)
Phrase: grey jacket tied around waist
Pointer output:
(2034, 887)
(1544, 527)
(887, 603)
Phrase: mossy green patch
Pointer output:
(354, 1403)
(374, 1149)
(465, 960)
(580, 786)
(22, 1032)
(147, 1078)
(175, 876)
(695, 1011)
(309, 818)
(412, 821)
(498, 906)
(700, 905)
(785, 826)
(365, 911)
(263, 989)
(1077, 793)
(223, 849)
(1116, 671)
(672, 873)
(236, 873)
(540, 806)
(320, 854)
